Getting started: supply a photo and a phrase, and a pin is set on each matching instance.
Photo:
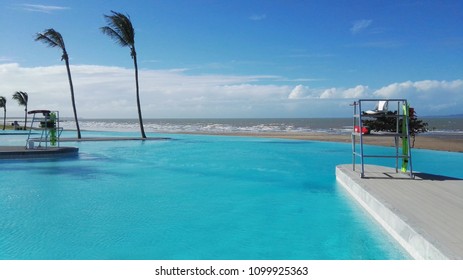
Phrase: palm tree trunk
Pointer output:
(72, 97)
(4, 118)
(25, 118)
(140, 119)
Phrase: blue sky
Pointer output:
(240, 58)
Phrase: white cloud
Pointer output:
(431, 96)
(42, 8)
(329, 93)
(108, 92)
(356, 92)
(360, 25)
(303, 92)
(298, 92)
(422, 89)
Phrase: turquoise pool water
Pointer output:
(193, 197)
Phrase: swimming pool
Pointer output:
(193, 197)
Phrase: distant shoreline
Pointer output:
(452, 142)
(440, 142)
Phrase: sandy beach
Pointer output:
(451, 143)
(439, 142)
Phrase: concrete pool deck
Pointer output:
(21, 152)
(425, 214)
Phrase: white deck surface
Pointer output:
(424, 214)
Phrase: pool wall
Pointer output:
(412, 241)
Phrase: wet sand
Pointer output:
(439, 142)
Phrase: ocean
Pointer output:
(301, 125)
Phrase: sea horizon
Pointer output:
(341, 125)
(249, 125)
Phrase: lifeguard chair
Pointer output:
(401, 115)
(47, 122)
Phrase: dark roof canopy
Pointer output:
(44, 112)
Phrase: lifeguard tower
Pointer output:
(47, 123)
(43, 139)
(401, 133)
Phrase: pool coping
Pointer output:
(389, 198)
(21, 152)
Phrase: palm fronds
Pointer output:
(2, 102)
(114, 35)
(53, 39)
(21, 97)
(121, 30)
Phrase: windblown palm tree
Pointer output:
(120, 29)
(3, 105)
(53, 39)
(22, 99)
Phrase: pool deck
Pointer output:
(20, 152)
(425, 214)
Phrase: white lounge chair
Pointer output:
(381, 108)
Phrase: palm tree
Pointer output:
(53, 39)
(22, 99)
(120, 29)
(3, 105)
